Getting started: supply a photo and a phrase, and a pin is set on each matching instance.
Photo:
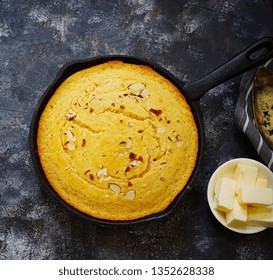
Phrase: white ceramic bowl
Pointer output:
(227, 169)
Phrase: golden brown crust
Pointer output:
(118, 141)
(263, 104)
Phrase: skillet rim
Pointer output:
(74, 66)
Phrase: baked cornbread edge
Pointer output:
(263, 104)
(120, 215)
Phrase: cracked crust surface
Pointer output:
(117, 141)
(263, 104)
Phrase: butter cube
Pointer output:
(261, 217)
(261, 183)
(224, 194)
(245, 175)
(237, 217)
(255, 196)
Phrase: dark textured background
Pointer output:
(189, 38)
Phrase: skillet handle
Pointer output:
(252, 56)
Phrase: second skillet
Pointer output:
(252, 56)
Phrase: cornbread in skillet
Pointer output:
(117, 141)
(263, 104)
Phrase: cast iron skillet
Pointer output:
(251, 57)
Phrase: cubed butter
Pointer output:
(255, 196)
(237, 217)
(261, 217)
(261, 183)
(245, 175)
(224, 194)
